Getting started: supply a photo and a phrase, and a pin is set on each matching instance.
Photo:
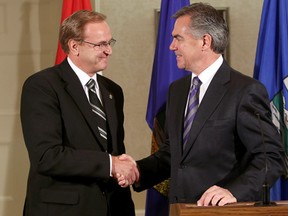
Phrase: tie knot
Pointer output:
(196, 82)
(91, 84)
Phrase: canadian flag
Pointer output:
(68, 8)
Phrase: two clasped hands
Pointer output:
(126, 172)
(124, 169)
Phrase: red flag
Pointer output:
(68, 8)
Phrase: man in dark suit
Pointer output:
(72, 142)
(222, 159)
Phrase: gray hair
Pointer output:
(205, 19)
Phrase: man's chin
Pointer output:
(103, 66)
(180, 66)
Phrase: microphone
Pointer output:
(266, 187)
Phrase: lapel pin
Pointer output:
(110, 96)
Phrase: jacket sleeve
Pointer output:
(262, 142)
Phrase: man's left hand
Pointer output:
(216, 195)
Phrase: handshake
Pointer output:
(124, 170)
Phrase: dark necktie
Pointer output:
(192, 107)
(97, 108)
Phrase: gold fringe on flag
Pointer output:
(158, 137)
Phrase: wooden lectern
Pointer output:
(180, 209)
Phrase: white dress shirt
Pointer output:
(84, 78)
(206, 77)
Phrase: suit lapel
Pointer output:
(75, 90)
(108, 101)
(179, 98)
(213, 96)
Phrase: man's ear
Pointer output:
(207, 42)
(73, 47)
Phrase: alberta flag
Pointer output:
(271, 68)
(164, 72)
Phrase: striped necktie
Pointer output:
(192, 107)
(97, 108)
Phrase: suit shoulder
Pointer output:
(246, 84)
(241, 78)
(46, 78)
(181, 81)
(48, 73)
(108, 82)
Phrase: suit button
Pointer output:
(182, 166)
(182, 200)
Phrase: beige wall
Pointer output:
(28, 35)
(27, 41)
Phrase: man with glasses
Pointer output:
(72, 121)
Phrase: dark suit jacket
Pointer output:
(69, 172)
(225, 146)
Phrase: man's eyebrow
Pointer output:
(104, 41)
(177, 36)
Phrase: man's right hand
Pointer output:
(124, 169)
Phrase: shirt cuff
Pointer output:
(110, 158)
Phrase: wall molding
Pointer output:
(3, 16)
(140, 212)
(6, 198)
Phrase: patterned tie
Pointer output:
(191, 108)
(97, 108)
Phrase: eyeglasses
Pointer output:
(102, 45)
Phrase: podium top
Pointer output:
(242, 208)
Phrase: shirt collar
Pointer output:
(83, 77)
(209, 72)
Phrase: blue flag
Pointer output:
(165, 69)
(164, 72)
(271, 68)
